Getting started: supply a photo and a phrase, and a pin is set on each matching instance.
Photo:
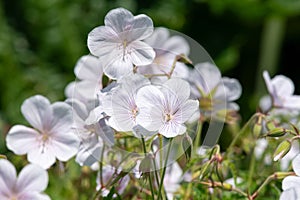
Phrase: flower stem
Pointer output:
(164, 170)
(150, 179)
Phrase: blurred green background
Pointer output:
(40, 42)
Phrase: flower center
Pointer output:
(168, 117)
(45, 137)
(134, 112)
(206, 103)
(124, 48)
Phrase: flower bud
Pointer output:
(257, 126)
(276, 132)
(282, 149)
(282, 175)
(271, 125)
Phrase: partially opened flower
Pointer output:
(166, 109)
(215, 94)
(118, 44)
(29, 185)
(89, 72)
(281, 90)
(291, 184)
(51, 137)
(166, 48)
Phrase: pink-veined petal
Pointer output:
(141, 53)
(21, 139)
(8, 177)
(186, 111)
(102, 41)
(37, 111)
(32, 178)
(118, 19)
(118, 67)
(171, 129)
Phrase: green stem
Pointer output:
(164, 170)
(251, 171)
(198, 138)
(150, 180)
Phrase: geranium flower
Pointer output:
(92, 136)
(29, 185)
(281, 90)
(119, 42)
(167, 109)
(89, 72)
(291, 184)
(166, 49)
(215, 94)
(51, 137)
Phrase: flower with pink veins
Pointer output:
(166, 109)
(29, 185)
(50, 138)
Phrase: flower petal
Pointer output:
(284, 86)
(102, 41)
(186, 111)
(21, 139)
(141, 28)
(296, 165)
(8, 177)
(290, 194)
(206, 76)
(62, 117)
(34, 196)
(42, 156)
(117, 19)
(290, 182)
(233, 88)
(118, 67)
(159, 36)
(171, 129)
(141, 53)
(268, 82)
(176, 45)
(292, 102)
(37, 111)
(65, 145)
(88, 67)
(32, 178)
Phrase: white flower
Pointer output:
(109, 173)
(119, 44)
(281, 90)
(92, 136)
(167, 109)
(52, 136)
(291, 184)
(29, 185)
(215, 94)
(89, 71)
(166, 48)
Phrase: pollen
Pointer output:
(168, 117)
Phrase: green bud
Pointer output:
(184, 59)
(227, 186)
(277, 132)
(282, 149)
(271, 125)
(257, 126)
(282, 175)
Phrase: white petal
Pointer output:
(33, 196)
(62, 117)
(118, 67)
(70, 90)
(176, 45)
(150, 102)
(268, 82)
(140, 132)
(171, 129)
(141, 53)
(158, 37)
(78, 108)
(290, 194)
(265, 103)
(32, 178)
(95, 115)
(290, 182)
(118, 19)
(207, 76)
(65, 145)
(87, 89)
(8, 177)
(141, 28)
(102, 41)
(186, 111)
(176, 92)
(43, 156)
(233, 88)
(296, 165)
(283, 85)
(292, 102)
(88, 67)
(21, 139)
(37, 111)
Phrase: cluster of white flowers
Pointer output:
(150, 92)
